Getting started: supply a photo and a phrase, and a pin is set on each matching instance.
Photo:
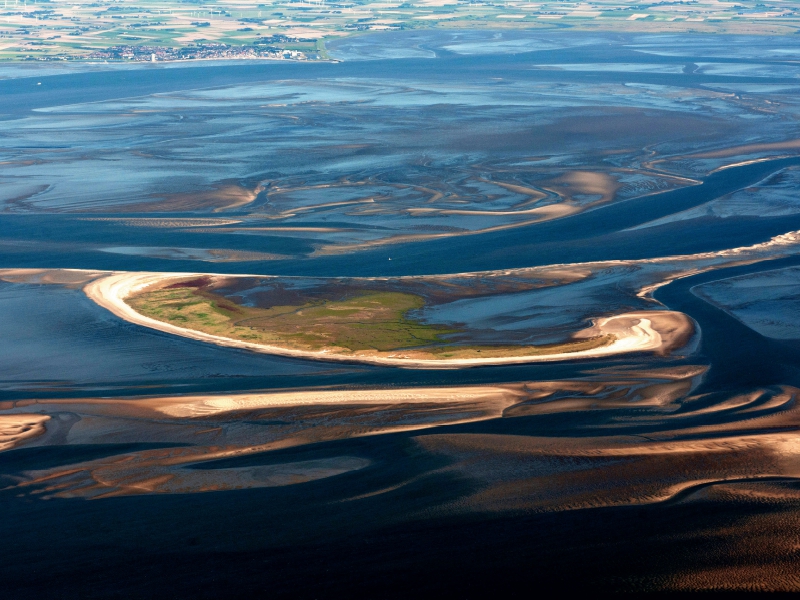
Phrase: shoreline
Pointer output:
(634, 332)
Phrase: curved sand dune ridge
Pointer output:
(201, 406)
(658, 331)
(16, 429)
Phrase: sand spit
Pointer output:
(658, 330)
(18, 428)
(634, 332)
(166, 222)
(201, 406)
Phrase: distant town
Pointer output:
(210, 51)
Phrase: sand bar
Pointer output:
(16, 429)
(200, 406)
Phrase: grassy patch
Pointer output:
(374, 323)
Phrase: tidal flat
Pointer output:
(495, 198)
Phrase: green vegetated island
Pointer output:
(371, 323)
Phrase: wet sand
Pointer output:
(17, 429)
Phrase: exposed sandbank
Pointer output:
(202, 428)
(200, 406)
(17, 428)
